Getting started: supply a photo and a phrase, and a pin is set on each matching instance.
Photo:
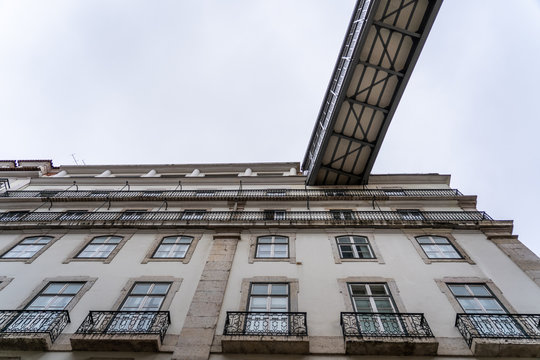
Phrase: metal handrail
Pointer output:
(366, 324)
(252, 323)
(50, 322)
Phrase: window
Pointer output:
(28, 247)
(174, 247)
(272, 247)
(354, 247)
(55, 296)
(268, 298)
(476, 298)
(342, 214)
(100, 247)
(193, 214)
(438, 247)
(275, 215)
(146, 296)
(132, 215)
(411, 214)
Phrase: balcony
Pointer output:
(231, 195)
(387, 334)
(122, 331)
(507, 335)
(31, 329)
(188, 217)
(265, 333)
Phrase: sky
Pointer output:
(201, 81)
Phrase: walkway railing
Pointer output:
(361, 324)
(126, 323)
(499, 326)
(342, 217)
(249, 194)
(265, 323)
(50, 322)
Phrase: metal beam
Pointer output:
(341, 172)
(396, 29)
(352, 139)
(377, 67)
(374, 107)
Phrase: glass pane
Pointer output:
(363, 251)
(281, 250)
(479, 290)
(384, 305)
(343, 240)
(152, 303)
(424, 240)
(259, 289)
(279, 304)
(185, 240)
(258, 304)
(265, 240)
(357, 289)
(132, 303)
(169, 240)
(43, 240)
(279, 289)
(141, 288)
(458, 290)
(264, 250)
(470, 305)
(160, 289)
(59, 302)
(281, 240)
(378, 289)
(440, 240)
(491, 306)
(360, 240)
(54, 288)
(114, 240)
(180, 251)
(362, 305)
(40, 303)
(72, 289)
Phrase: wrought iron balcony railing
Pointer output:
(50, 322)
(361, 324)
(249, 194)
(338, 217)
(265, 323)
(499, 326)
(126, 323)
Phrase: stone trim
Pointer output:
(293, 290)
(412, 234)
(55, 236)
(369, 233)
(392, 286)
(272, 232)
(442, 284)
(175, 286)
(157, 241)
(73, 255)
(4, 281)
(88, 283)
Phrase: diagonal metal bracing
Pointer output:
(383, 42)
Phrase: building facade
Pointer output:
(245, 261)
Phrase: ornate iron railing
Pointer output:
(265, 323)
(341, 217)
(499, 326)
(362, 324)
(126, 323)
(50, 322)
(248, 194)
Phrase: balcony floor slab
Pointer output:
(265, 344)
(116, 342)
(391, 346)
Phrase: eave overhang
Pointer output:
(382, 45)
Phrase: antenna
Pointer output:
(73, 156)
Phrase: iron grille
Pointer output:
(265, 323)
(50, 322)
(406, 325)
(499, 326)
(126, 323)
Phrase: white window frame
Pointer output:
(30, 245)
(91, 243)
(272, 245)
(353, 244)
(179, 243)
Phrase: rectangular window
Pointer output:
(100, 247)
(146, 296)
(476, 298)
(268, 298)
(354, 247)
(411, 214)
(27, 248)
(275, 214)
(193, 214)
(272, 247)
(438, 247)
(55, 296)
(174, 247)
(342, 214)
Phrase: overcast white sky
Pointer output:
(237, 81)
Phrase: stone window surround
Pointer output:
(55, 236)
(447, 233)
(4, 281)
(293, 290)
(157, 241)
(73, 255)
(175, 286)
(392, 286)
(88, 283)
(271, 232)
(368, 233)
(443, 286)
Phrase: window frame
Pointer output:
(153, 283)
(412, 235)
(269, 295)
(272, 246)
(256, 234)
(245, 290)
(371, 297)
(353, 247)
(275, 214)
(367, 233)
(21, 238)
(472, 296)
(149, 257)
(460, 256)
(167, 301)
(73, 256)
(78, 256)
(342, 214)
(58, 294)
